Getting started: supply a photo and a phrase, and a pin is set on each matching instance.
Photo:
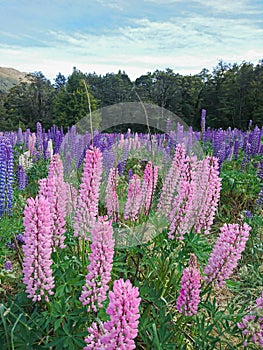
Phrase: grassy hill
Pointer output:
(10, 77)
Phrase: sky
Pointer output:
(135, 36)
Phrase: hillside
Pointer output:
(9, 77)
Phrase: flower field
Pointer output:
(131, 240)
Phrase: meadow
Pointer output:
(131, 240)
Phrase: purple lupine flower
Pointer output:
(189, 295)
(236, 148)
(226, 253)
(8, 265)
(21, 176)
(6, 176)
(88, 198)
(11, 245)
(20, 138)
(255, 141)
(130, 174)
(250, 123)
(108, 160)
(203, 120)
(259, 200)
(168, 126)
(39, 140)
(260, 170)
(149, 183)
(179, 133)
(252, 324)
(20, 238)
(37, 249)
(122, 328)
(101, 259)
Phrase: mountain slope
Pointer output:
(10, 77)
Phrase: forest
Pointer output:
(232, 95)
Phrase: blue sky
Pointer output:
(135, 36)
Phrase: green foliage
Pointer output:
(155, 267)
(232, 95)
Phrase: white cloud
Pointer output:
(237, 7)
(114, 4)
(186, 44)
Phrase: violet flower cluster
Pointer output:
(189, 295)
(122, 328)
(226, 253)
(21, 176)
(6, 176)
(37, 249)
(101, 259)
(88, 198)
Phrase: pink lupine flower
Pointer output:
(101, 258)
(93, 340)
(111, 199)
(37, 249)
(88, 198)
(122, 328)
(54, 189)
(150, 178)
(252, 324)
(208, 184)
(58, 199)
(72, 195)
(134, 200)
(169, 189)
(226, 253)
(182, 201)
(31, 143)
(189, 297)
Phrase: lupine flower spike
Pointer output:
(189, 297)
(122, 328)
(226, 253)
(101, 258)
(88, 198)
(37, 249)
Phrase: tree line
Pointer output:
(232, 94)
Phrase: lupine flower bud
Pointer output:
(101, 258)
(189, 297)
(226, 253)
